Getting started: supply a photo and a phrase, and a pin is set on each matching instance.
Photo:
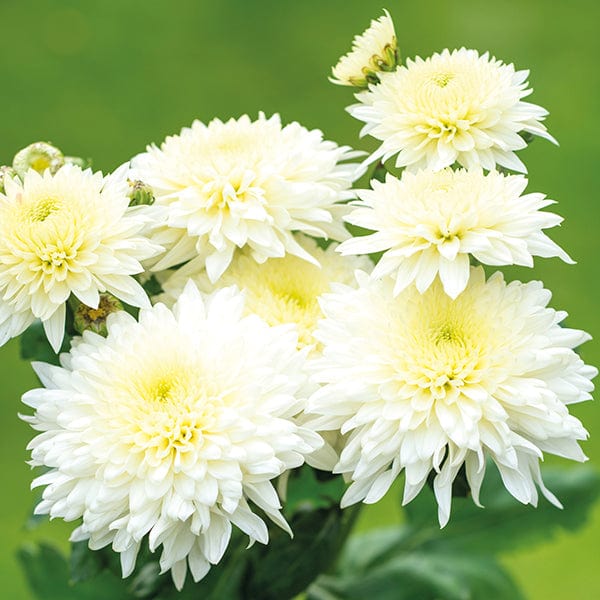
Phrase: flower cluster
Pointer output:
(260, 343)
(427, 368)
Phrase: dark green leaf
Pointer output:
(152, 286)
(224, 581)
(286, 567)
(83, 562)
(47, 573)
(307, 489)
(426, 576)
(379, 172)
(504, 523)
(146, 581)
(368, 549)
(35, 346)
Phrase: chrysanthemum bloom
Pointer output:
(71, 232)
(280, 290)
(167, 427)
(374, 51)
(424, 383)
(452, 107)
(242, 183)
(429, 223)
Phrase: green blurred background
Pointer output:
(103, 79)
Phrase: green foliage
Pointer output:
(505, 524)
(426, 576)
(279, 570)
(287, 566)
(416, 560)
(311, 489)
(35, 346)
(49, 577)
(420, 560)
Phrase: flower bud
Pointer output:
(38, 156)
(5, 171)
(374, 51)
(94, 319)
(140, 193)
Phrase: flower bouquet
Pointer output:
(239, 344)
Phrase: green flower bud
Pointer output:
(4, 171)
(38, 156)
(94, 319)
(140, 193)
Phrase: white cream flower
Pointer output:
(280, 290)
(243, 183)
(67, 233)
(452, 107)
(167, 427)
(429, 223)
(423, 382)
(373, 51)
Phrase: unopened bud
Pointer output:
(38, 156)
(140, 193)
(94, 319)
(5, 171)
(374, 51)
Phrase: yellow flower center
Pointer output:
(440, 347)
(442, 79)
(56, 258)
(42, 209)
(282, 290)
(447, 333)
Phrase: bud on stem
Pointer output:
(94, 319)
(140, 193)
(39, 157)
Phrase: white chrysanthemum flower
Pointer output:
(429, 223)
(452, 107)
(243, 183)
(280, 290)
(423, 382)
(67, 233)
(373, 51)
(167, 427)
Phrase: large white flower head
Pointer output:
(280, 290)
(430, 223)
(452, 107)
(71, 232)
(375, 50)
(424, 383)
(167, 427)
(245, 183)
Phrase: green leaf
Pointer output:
(35, 346)
(47, 573)
(285, 567)
(152, 286)
(504, 523)
(426, 576)
(223, 580)
(367, 550)
(84, 563)
(310, 489)
(379, 172)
